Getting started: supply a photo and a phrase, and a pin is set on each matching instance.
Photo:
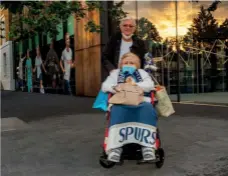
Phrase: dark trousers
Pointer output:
(67, 87)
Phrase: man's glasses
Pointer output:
(126, 25)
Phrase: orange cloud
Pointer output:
(162, 14)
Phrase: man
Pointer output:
(21, 72)
(66, 65)
(38, 64)
(52, 63)
(121, 43)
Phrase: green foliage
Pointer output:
(116, 11)
(147, 30)
(43, 17)
(92, 27)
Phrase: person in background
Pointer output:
(66, 64)
(52, 63)
(121, 43)
(29, 74)
(38, 64)
(21, 72)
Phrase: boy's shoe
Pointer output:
(148, 154)
(115, 155)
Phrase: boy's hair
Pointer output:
(137, 63)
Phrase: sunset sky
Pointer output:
(162, 14)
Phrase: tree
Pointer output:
(147, 30)
(223, 30)
(204, 28)
(213, 6)
(33, 17)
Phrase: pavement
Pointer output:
(56, 135)
(219, 98)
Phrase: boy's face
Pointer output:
(131, 61)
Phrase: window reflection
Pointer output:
(203, 52)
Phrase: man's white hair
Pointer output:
(127, 18)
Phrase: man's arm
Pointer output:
(61, 63)
(35, 66)
(34, 69)
(108, 54)
(56, 57)
(43, 66)
(47, 57)
(72, 60)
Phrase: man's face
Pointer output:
(37, 51)
(52, 45)
(68, 42)
(127, 27)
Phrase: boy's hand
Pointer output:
(117, 88)
(130, 80)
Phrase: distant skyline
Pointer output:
(162, 14)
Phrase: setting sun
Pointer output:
(171, 31)
(162, 14)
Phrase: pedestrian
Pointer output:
(52, 64)
(29, 74)
(21, 72)
(38, 64)
(66, 64)
(121, 43)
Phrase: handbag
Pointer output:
(129, 95)
(164, 106)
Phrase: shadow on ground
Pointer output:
(34, 106)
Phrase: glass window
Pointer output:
(202, 32)
(70, 25)
(60, 30)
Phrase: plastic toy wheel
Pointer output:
(161, 157)
(105, 163)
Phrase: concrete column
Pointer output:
(7, 78)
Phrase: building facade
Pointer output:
(203, 64)
(203, 49)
